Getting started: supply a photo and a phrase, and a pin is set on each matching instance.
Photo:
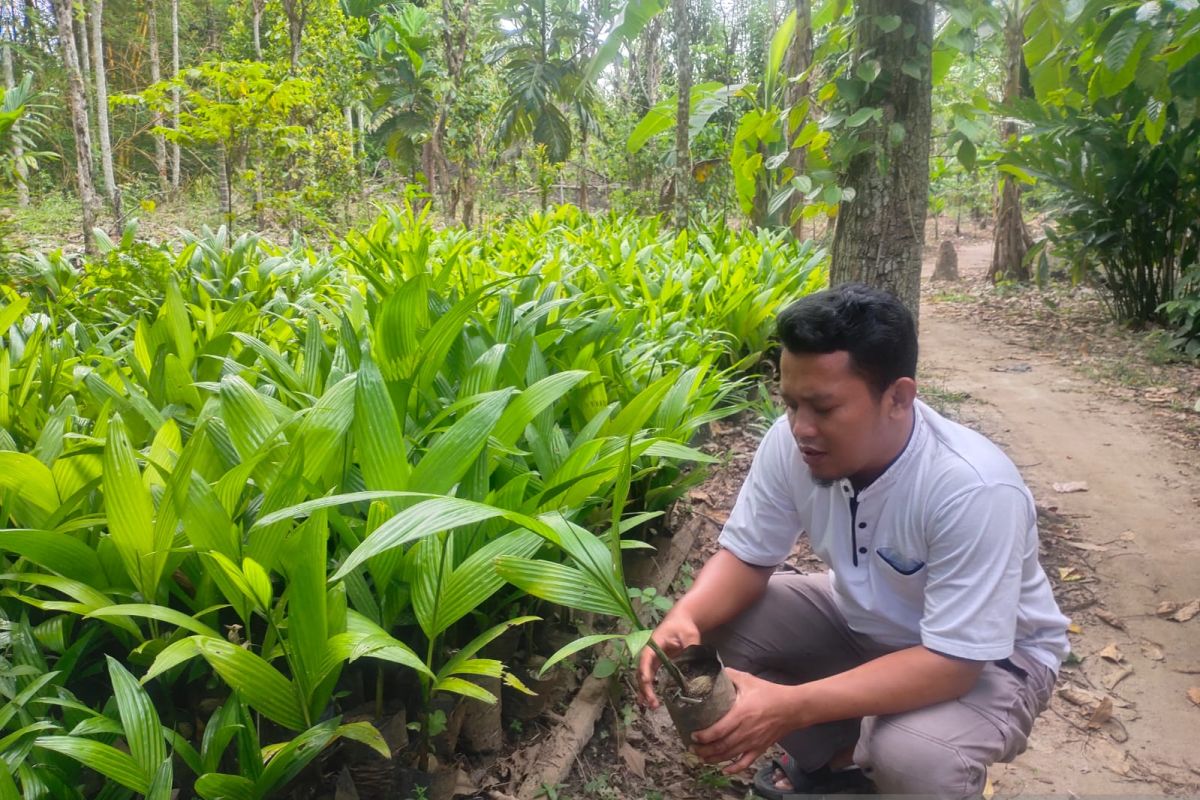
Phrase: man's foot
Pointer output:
(782, 778)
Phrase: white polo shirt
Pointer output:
(940, 550)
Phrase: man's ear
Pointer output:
(902, 392)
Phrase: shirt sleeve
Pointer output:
(764, 524)
(973, 583)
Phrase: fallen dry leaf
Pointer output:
(1069, 574)
(1074, 628)
(1088, 546)
(634, 759)
(1101, 715)
(1187, 612)
(1078, 697)
(1188, 669)
(1111, 680)
(1071, 486)
(1167, 607)
(1194, 694)
(1109, 618)
(1152, 651)
(1111, 653)
(702, 496)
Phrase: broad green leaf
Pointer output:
(143, 731)
(444, 464)
(160, 613)
(307, 638)
(378, 432)
(171, 656)
(130, 513)
(574, 647)
(218, 786)
(103, 758)
(31, 482)
(263, 686)
(365, 733)
(294, 756)
(57, 552)
(466, 689)
(558, 583)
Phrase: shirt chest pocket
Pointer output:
(898, 562)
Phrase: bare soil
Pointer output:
(1073, 399)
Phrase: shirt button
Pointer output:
(862, 524)
(862, 550)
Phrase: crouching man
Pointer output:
(926, 651)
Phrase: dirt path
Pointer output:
(1134, 543)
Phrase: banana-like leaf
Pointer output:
(294, 756)
(378, 432)
(86, 598)
(365, 733)
(307, 637)
(434, 516)
(57, 552)
(533, 401)
(130, 513)
(172, 656)
(574, 647)
(263, 686)
(465, 688)
(160, 613)
(558, 583)
(32, 484)
(478, 643)
(143, 731)
(103, 758)
(444, 464)
(219, 786)
(475, 579)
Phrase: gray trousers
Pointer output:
(796, 634)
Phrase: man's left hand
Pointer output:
(759, 718)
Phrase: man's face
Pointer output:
(842, 428)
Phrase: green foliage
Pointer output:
(1114, 145)
(266, 476)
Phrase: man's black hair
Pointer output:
(872, 325)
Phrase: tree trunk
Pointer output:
(18, 153)
(297, 14)
(77, 105)
(160, 144)
(880, 234)
(256, 8)
(225, 186)
(583, 173)
(175, 93)
(1011, 239)
(106, 156)
(652, 62)
(683, 62)
(799, 59)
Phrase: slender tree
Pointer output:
(10, 82)
(106, 157)
(160, 144)
(175, 99)
(683, 63)
(256, 12)
(880, 234)
(799, 59)
(1011, 236)
(77, 105)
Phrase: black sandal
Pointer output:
(821, 781)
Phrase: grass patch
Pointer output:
(942, 400)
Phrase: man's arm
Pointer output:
(725, 587)
(764, 712)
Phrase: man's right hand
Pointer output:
(676, 632)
